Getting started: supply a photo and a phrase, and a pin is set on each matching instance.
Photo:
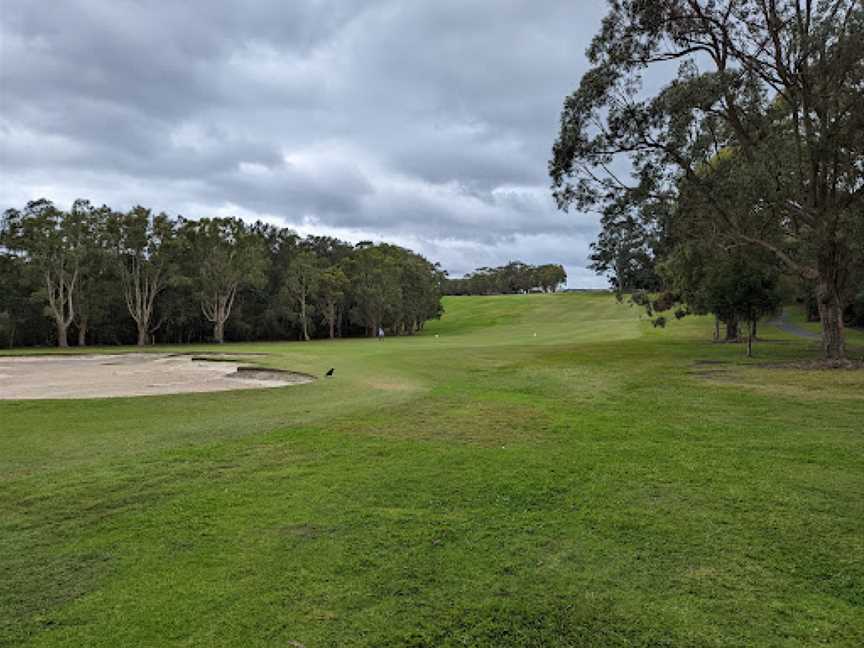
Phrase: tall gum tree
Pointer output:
(227, 257)
(332, 286)
(780, 82)
(301, 289)
(142, 244)
(97, 279)
(51, 243)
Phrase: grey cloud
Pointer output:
(425, 123)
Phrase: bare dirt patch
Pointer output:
(132, 374)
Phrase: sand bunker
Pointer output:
(132, 374)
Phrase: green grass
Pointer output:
(601, 484)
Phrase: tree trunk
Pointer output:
(332, 322)
(142, 335)
(82, 333)
(219, 330)
(831, 316)
(62, 339)
(716, 329)
(732, 330)
(732, 333)
(751, 333)
(303, 319)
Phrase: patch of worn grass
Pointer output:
(601, 483)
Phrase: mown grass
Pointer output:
(602, 483)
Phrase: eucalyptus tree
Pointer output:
(738, 286)
(16, 306)
(142, 244)
(93, 266)
(330, 251)
(628, 246)
(333, 286)
(374, 287)
(780, 82)
(515, 277)
(224, 258)
(281, 245)
(301, 289)
(96, 280)
(420, 292)
(549, 277)
(52, 244)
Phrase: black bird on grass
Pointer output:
(329, 373)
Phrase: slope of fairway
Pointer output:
(554, 318)
(542, 470)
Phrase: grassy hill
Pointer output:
(543, 470)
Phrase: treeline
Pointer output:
(747, 185)
(105, 277)
(513, 278)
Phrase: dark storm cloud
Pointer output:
(429, 124)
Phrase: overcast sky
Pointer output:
(425, 123)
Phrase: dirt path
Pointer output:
(130, 374)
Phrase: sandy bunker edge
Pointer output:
(135, 374)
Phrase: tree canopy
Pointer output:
(515, 277)
(762, 122)
(141, 277)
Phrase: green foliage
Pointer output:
(513, 278)
(147, 254)
(626, 251)
(761, 126)
(738, 290)
(143, 276)
(333, 287)
(392, 288)
(300, 289)
(21, 318)
(57, 249)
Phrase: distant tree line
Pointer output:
(515, 277)
(746, 181)
(95, 275)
